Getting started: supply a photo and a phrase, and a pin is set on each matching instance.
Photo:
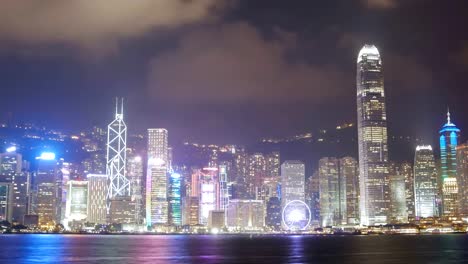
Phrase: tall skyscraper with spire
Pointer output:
(119, 185)
(372, 136)
(448, 159)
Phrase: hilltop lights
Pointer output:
(11, 149)
(47, 156)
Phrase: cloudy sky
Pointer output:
(230, 70)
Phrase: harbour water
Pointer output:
(43, 248)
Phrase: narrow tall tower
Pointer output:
(372, 133)
(119, 185)
(448, 158)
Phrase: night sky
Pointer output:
(230, 71)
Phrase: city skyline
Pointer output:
(68, 74)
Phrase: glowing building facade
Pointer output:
(349, 175)
(372, 137)
(119, 185)
(209, 193)
(398, 209)
(175, 199)
(245, 215)
(12, 170)
(6, 201)
(47, 200)
(425, 183)
(97, 194)
(135, 175)
(157, 207)
(462, 177)
(448, 158)
(76, 202)
(292, 181)
(332, 193)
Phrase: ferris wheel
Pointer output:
(296, 215)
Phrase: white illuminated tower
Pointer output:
(372, 137)
(157, 207)
(119, 185)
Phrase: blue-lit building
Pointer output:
(448, 159)
(175, 213)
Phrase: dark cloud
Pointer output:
(96, 25)
(380, 4)
(235, 63)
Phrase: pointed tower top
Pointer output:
(448, 115)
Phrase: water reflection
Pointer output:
(232, 249)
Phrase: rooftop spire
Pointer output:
(448, 115)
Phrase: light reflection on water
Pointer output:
(232, 249)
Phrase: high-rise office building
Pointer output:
(313, 198)
(97, 198)
(208, 193)
(425, 183)
(6, 201)
(12, 170)
(398, 210)
(332, 193)
(47, 191)
(462, 177)
(372, 137)
(190, 210)
(349, 174)
(223, 186)
(135, 175)
(292, 181)
(273, 164)
(175, 202)
(448, 158)
(273, 214)
(245, 215)
(157, 207)
(406, 170)
(257, 172)
(76, 209)
(119, 185)
(241, 162)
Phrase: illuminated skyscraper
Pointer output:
(12, 170)
(119, 185)
(425, 183)
(157, 207)
(6, 201)
(406, 170)
(462, 177)
(241, 174)
(135, 175)
(273, 164)
(223, 187)
(448, 158)
(398, 210)
(97, 194)
(175, 213)
(209, 193)
(273, 214)
(76, 202)
(313, 198)
(292, 181)
(332, 193)
(47, 185)
(372, 137)
(349, 173)
(257, 172)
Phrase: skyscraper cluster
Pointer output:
(130, 187)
